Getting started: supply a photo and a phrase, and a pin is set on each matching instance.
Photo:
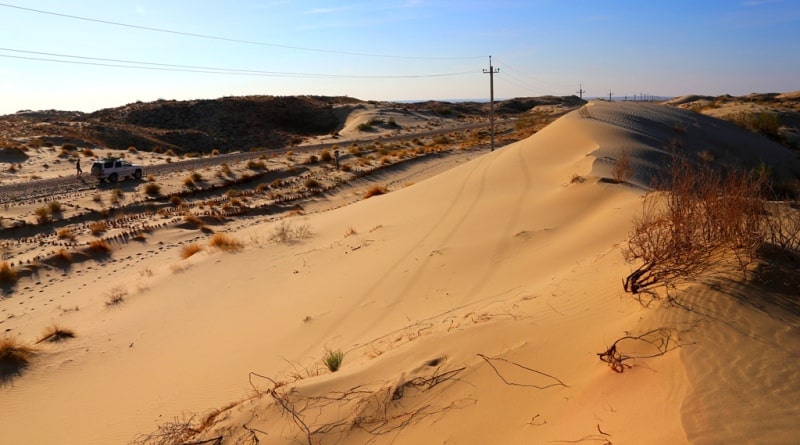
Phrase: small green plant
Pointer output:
(333, 359)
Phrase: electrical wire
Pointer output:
(116, 63)
(227, 39)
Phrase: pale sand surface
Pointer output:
(501, 275)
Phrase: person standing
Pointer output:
(78, 167)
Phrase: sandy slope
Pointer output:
(471, 307)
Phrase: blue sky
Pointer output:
(389, 49)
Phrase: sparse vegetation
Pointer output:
(190, 249)
(375, 191)
(98, 227)
(65, 233)
(55, 333)
(622, 169)
(152, 189)
(333, 359)
(312, 183)
(702, 221)
(100, 246)
(116, 296)
(14, 357)
(7, 273)
(226, 243)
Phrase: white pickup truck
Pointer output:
(114, 168)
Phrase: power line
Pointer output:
(228, 39)
(97, 61)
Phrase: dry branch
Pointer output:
(556, 381)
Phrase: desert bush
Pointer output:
(87, 152)
(188, 182)
(132, 149)
(215, 152)
(7, 273)
(176, 200)
(196, 176)
(622, 169)
(226, 243)
(326, 156)
(311, 159)
(703, 220)
(333, 359)
(55, 207)
(152, 189)
(375, 190)
(190, 249)
(42, 215)
(285, 233)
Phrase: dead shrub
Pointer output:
(65, 233)
(622, 169)
(704, 220)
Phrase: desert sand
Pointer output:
(470, 302)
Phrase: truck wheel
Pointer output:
(137, 174)
(112, 177)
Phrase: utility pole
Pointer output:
(609, 95)
(580, 91)
(491, 72)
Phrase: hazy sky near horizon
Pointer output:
(91, 54)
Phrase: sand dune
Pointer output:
(470, 307)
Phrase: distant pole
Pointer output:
(609, 95)
(491, 72)
(580, 91)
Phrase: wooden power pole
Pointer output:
(580, 91)
(491, 72)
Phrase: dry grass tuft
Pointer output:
(63, 254)
(116, 296)
(7, 273)
(190, 250)
(375, 191)
(98, 227)
(54, 334)
(226, 243)
(14, 357)
(66, 233)
(100, 246)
